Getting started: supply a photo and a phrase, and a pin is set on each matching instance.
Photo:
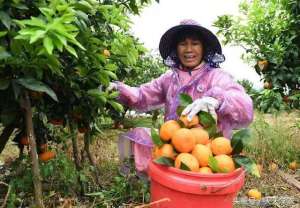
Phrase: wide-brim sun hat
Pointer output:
(210, 41)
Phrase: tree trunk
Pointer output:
(90, 156)
(33, 152)
(7, 131)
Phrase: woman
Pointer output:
(193, 54)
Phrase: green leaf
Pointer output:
(213, 164)
(35, 85)
(47, 42)
(247, 163)
(37, 35)
(5, 19)
(71, 50)
(3, 33)
(183, 166)
(165, 161)
(185, 99)
(111, 74)
(206, 120)
(179, 110)
(97, 94)
(117, 106)
(239, 139)
(155, 138)
(3, 53)
(4, 83)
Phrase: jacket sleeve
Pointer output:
(236, 107)
(145, 97)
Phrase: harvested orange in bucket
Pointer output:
(221, 145)
(201, 135)
(189, 124)
(202, 153)
(225, 163)
(183, 140)
(187, 159)
(168, 129)
(205, 170)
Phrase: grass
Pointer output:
(275, 139)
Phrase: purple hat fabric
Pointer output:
(212, 45)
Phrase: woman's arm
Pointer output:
(146, 97)
(235, 105)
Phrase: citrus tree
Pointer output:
(269, 32)
(56, 60)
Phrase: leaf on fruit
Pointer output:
(213, 164)
(183, 166)
(155, 138)
(247, 163)
(165, 161)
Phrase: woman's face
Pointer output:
(190, 52)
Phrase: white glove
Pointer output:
(207, 104)
(112, 86)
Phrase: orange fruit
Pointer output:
(225, 163)
(263, 64)
(221, 145)
(45, 156)
(254, 194)
(183, 140)
(201, 135)
(208, 144)
(205, 170)
(106, 53)
(24, 140)
(273, 167)
(189, 160)
(293, 165)
(167, 130)
(189, 124)
(267, 85)
(166, 150)
(202, 153)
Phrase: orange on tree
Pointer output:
(183, 140)
(106, 53)
(45, 156)
(189, 160)
(189, 124)
(167, 129)
(166, 150)
(225, 163)
(58, 122)
(205, 170)
(24, 140)
(201, 135)
(254, 194)
(202, 153)
(221, 145)
(263, 64)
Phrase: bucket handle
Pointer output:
(221, 187)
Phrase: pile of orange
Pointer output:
(188, 143)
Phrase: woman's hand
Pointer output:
(207, 104)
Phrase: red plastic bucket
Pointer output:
(174, 188)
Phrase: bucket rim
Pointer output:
(200, 175)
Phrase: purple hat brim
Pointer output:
(210, 41)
